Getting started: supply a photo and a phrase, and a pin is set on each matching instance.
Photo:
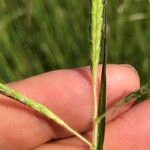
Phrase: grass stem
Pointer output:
(99, 107)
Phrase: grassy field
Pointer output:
(42, 35)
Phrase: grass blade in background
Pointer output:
(8, 19)
(59, 33)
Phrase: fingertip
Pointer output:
(121, 81)
(133, 76)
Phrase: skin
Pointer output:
(68, 94)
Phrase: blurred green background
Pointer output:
(41, 35)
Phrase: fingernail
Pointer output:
(131, 67)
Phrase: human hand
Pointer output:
(68, 94)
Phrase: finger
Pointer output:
(71, 143)
(68, 93)
(128, 132)
(131, 130)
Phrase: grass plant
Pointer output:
(23, 32)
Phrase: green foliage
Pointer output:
(129, 38)
(54, 34)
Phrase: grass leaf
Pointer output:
(102, 95)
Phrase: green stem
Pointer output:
(41, 109)
(96, 35)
